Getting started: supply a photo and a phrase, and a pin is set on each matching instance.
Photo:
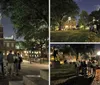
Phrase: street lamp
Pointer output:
(98, 53)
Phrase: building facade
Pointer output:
(70, 24)
(9, 44)
(1, 37)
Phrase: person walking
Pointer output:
(20, 61)
(1, 63)
(10, 61)
(16, 63)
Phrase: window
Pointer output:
(8, 44)
(1, 29)
(1, 35)
(12, 44)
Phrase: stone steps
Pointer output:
(41, 79)
(34, 81)
(44, 73)
(16, 83)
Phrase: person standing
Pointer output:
(20, 61)
(89, 68)
(94, 64)
(55, 54)
(78, 64)
(16, 62)
(84, 68)
(1, 62)
(10, 61)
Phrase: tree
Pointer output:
(96, 15)
(82, 48)
(61, 10)
(67, 50)
(83, 21)
(30, 18)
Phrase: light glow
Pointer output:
(98, 53)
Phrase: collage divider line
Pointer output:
(49, 41)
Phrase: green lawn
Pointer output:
(74, 36)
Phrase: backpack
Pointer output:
(20, 59)
(16, 59)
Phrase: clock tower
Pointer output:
(1, 34)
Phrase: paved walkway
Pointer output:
(27, 69)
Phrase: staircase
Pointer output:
(41, 79)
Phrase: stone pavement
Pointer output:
(27, 69)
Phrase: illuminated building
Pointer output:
(70, 24)
(9, 44)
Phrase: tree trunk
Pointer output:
(47, 51)
(60, 25)
(31, 57)
(77, 55)
(41, 54)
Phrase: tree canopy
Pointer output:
(82, 48)
(96, 15)
(30, 17)
(83, 19)
(60, 9)
(30, 20)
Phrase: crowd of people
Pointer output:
(86, 68)
(11, 64)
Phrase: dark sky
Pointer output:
(7, 27)
(88, 5)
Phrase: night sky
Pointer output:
(7, 27)
(88, 5)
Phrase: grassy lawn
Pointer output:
(74, 36)
(60, 74)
